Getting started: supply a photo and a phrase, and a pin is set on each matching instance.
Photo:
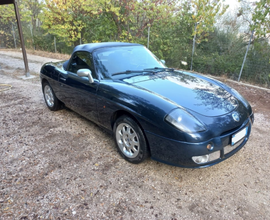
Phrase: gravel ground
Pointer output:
(58, 165)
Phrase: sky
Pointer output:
(233, 4)
(233, 10)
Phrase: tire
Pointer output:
(130, 140)
(51, 100)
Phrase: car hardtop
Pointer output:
(94, 46)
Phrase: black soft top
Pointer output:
(93, 46)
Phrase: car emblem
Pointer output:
(235, 116)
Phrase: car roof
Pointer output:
(93, 46)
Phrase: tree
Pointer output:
(29, 13)
(7, 19)
(170, 37)
(205, 13)
(68, 19)
(131, 17)
(261, 18)
(32, 10)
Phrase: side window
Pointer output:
(81, 60)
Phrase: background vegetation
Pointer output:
(220, 40)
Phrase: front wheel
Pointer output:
(130, 140)
(50, 99)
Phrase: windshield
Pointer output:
(122, 59)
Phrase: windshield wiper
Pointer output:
(133, 71)
(160, 69)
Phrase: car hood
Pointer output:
(187, 90)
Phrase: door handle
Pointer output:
(63, 79)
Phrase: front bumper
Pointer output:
(180, 154)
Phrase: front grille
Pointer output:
(230, 131)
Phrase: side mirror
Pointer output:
(85, 73)
(163, 61)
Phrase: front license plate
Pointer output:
(239, 135)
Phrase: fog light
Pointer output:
(201, 159)
(210, 146)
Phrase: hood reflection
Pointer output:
(189, 91)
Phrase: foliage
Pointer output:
(221, 54)
(219, 50)
(205, 15)
(171, 38)
(67, 18)
(131, 17)
(7, 19)
(7, 14)
(261, 18)
(257, 64)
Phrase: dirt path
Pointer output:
(58, 165)
(11, 60)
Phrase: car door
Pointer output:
(77, 92)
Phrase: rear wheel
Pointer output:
(50, 99)
(130, 140)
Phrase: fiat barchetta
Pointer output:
(173, 116)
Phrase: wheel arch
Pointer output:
(120, 113)
(44, 81)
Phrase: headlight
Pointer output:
(184, 121)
